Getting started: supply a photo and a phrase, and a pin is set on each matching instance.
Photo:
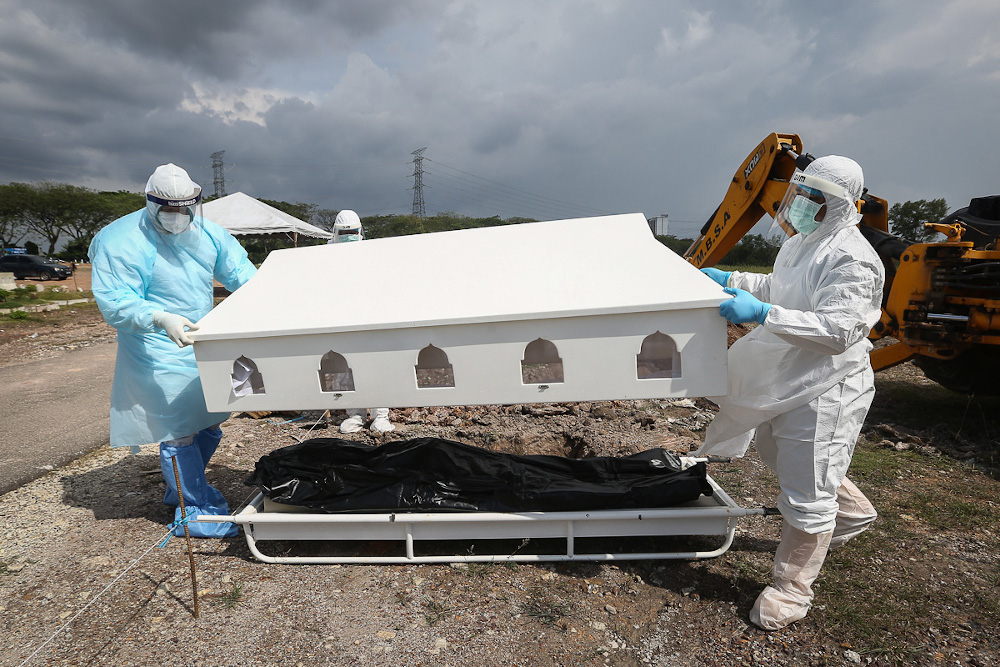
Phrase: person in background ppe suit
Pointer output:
(802, 380)
(347, 227)
(152, 279)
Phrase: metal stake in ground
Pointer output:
(187, 535)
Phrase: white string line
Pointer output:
(115, 580)
(96, 598)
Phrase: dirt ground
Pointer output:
(82, 581)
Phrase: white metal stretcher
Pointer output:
(716, 516)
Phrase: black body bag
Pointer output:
(431, 474)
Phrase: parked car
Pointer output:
(43, 268)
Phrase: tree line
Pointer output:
(60, 212)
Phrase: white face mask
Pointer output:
(175, 223)
(802, 214)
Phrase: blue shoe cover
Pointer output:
(207, 441)
(204, 529)
(199, 496)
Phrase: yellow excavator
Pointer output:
(941, 302)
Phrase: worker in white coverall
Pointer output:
(152, 279)
(802, 379)
(347, 227)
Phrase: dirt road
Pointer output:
(54, 411)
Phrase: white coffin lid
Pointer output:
(563, 268)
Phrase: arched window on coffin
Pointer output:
(334, 373)
(433, 369)
(247, 379)
(541, 363)
(658, 358)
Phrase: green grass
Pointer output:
(745, 268)
(436, 611)
(543, 606)
(883, 592)
(29, 296)
(234, 596)
(23, 316)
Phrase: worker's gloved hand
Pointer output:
(721, 277)
(174, 325)
(744, 307)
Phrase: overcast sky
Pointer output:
(555, 109)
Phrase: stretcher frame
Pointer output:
(715, 515)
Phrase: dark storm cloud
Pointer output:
(224, 38)
(611, 106)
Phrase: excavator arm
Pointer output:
(941, 301)
(756, 189)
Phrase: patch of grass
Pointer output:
(478, 569)
(746, 268)
(436, 611)
(27, 296)
(886, 589)
(543, 606)
(881, 467)
(944, 513)
(234, 596)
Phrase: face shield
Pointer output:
(173, 215)
(806, 204)
(345, 235)
(347, 227)
(173, 200)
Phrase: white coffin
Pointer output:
(569, 310)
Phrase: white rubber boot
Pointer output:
(381, 422)
(855, 514)
(796, 565)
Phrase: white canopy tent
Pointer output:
(241, 214)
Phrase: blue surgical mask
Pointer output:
(343, 238)
(802, 214)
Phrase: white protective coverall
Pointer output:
(144, 274)
(347, 228)
(803, 381)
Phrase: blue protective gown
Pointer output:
(138, 270)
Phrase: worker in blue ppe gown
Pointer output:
(152, 279)
(347, 227)
(802, 380)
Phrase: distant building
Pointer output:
(658, 225)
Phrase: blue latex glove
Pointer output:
(721, 277)
(744, 307)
